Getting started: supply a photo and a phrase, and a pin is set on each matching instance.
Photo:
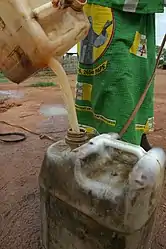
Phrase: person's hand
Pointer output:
(62, 3)
(55, 3)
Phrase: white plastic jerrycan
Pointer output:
(33, 31)
(102, 194)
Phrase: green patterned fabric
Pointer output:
(116, 60)
(137, 6)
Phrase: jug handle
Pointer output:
(136, 150)
(98, 189)
(43, 10)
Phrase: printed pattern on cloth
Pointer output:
(100, 34)
(139, 46)
(116, 60)
(133, 6)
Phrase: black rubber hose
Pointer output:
(21, 137)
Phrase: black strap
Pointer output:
(21, 137)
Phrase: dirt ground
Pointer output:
(20, 162)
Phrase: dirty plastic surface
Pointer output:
(118, 196)
(31, 32)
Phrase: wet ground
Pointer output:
(14, 94)
(53, 110)
(41, 110)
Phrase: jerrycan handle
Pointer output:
(96, 188)
(42, 11)
(136, 150)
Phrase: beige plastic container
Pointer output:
(32, 31)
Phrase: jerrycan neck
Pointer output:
(76, 139)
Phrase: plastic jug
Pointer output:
(32, 31)
(103, 194)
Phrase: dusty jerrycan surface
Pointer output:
(102, 195)
(32, 31)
